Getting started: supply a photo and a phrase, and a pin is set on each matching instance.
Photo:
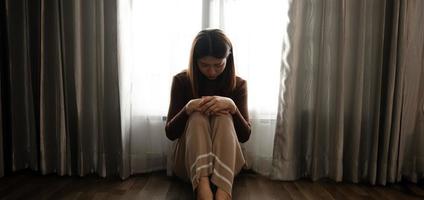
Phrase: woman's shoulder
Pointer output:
(182, 79)
(240, 83)
(182, 76)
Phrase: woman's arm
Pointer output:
(177, 116)
(241, 115)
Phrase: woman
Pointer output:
(208, 115)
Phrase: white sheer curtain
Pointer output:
(155, 39)
(256, 29)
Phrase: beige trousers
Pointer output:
(209, 147)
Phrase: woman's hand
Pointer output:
(193, 105)
(217, 105)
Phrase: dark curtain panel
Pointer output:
(3, 105)
(62, 87)
(351, 103)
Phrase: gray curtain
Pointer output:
(351, 103)
(63, 86)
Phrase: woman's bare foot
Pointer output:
(204, 191)
(222, 195)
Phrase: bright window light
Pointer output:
(256, 29)
(162, 33)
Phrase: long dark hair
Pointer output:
(212, 42)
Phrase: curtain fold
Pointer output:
(3, 63)
(350, 102)
(410, 87)
(64, 89)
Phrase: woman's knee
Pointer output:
(198, 127)
(223, 126)
(225, 120)
(197, 118)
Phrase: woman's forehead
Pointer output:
(211, 60)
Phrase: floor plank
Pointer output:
(155, 188)
(138, 184)
(294, 191)
(179, 190)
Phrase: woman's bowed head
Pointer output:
(208, 117)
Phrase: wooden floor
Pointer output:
(28, 185)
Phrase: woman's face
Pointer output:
(211, 67)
